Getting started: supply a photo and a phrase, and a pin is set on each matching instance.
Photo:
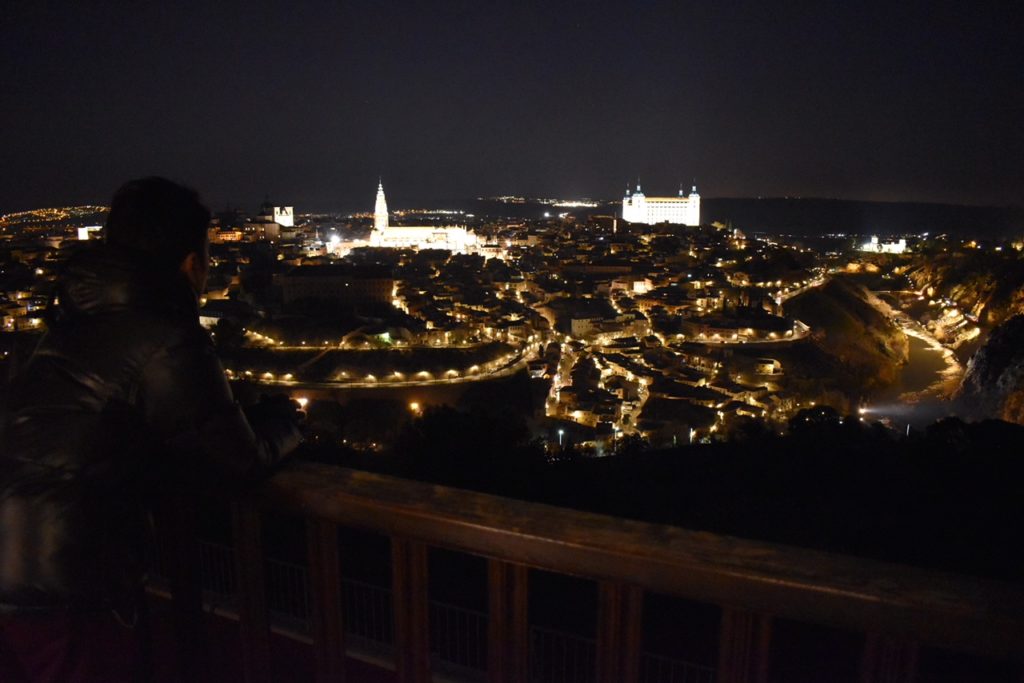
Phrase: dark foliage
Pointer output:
(470, 450)
(947, 498)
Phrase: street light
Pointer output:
(561, 433)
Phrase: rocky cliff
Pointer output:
(988, 285)
(853, 331)
(993, 386)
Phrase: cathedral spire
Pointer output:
(380, 209)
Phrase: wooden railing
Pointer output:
(898, 608)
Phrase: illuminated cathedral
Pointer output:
(456, 239)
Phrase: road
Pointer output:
(512, 367)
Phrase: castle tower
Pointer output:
(380, 210)
(634, 206)
(693, 208)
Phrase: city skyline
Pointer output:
(524, 341)
(911, 103)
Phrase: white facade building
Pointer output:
(90, 232)
(454, 238)
(284, 216)
(639, 208)
(884, 247)
(273, 222)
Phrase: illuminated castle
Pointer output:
(453, 238)
(638, 208)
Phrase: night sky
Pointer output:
(309, 102)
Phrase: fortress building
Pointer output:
(456, 239)
(638, 208)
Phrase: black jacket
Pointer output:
(123, 399)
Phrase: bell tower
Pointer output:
(380, 210)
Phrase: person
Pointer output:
(124, 400)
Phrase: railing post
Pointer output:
(177, 521)
(325, 585)
(508, 627)
(411, 615)
(254, 623)
(744, 642)
(888, 660)
(619, 630)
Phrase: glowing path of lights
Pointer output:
(512, 367)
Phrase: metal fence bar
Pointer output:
(559, 657)
(662, 669)
(458, 635)
(366, 611)
(216, 563)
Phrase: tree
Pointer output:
(228, 335)
(469, 449)
(631, 444)
(815, 420)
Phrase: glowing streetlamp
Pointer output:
(561, 433)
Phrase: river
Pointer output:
(919, 395)
(923, 373)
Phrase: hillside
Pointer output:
(993, 386)
(988, 285)
(855, 349)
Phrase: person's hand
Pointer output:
(278, 420)
(275, 408)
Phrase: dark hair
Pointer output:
(159, 218)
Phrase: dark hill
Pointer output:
(811, 217)
(824, 216)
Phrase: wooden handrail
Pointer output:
(953, 611)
